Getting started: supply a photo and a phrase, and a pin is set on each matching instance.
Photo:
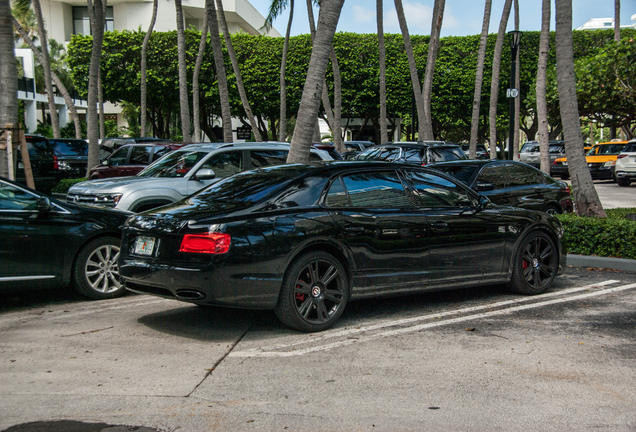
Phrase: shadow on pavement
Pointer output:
(75, 426)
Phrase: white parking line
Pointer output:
(272, 350)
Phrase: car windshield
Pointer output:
(607, 149)
(175, 164)
(249, 186)
(463, 173)
(555, 149)
(530, 148)
(446, 154)
(70, 148)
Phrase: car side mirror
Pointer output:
(44, 205)
(483, 202)
(205, 174)
(105, 162)
(481, 186)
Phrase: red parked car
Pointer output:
(130, 159)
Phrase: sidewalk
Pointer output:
(602, 262)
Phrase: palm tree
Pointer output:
(46, 66)
(22, 11)
(617, 20)
(514, 141)
(183, 78)
(237, 72)
(585, 196)
(96, 13)
(8, 78)
(196, 113)
(542, 104)
(221, 76)
(433, 47)
(275, 9)
(312, 90)
(384, 135)
(333, 117)
(144, 67)
(494, 83)
(479, 78)
(61, 86)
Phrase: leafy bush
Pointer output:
(64, 185)
(613, 236)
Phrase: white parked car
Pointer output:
(625, 167)
(181, 173)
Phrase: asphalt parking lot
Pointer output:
(472, 359)
(469, 359)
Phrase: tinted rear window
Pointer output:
(446, 154)
(70, 148)
(462, 173)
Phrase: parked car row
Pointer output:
(234, 225)
(603, 161)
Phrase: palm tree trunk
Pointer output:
(68, 100)
(584, 194)
(494, 83)
(237, 72)
(415, 80)
(479, 78)
(100, 103)
(382, 55)
(196, 112)
(542, 104)
(8, 78)
(312, 90)
(515, 140)
(183, 75)
(144, 67)
(96, 12)
(221, 75)
(427, 87)
(46, 67)
(333, 116)
(617, 20)
(282, 124)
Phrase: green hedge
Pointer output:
(64, 185)
(614, 236)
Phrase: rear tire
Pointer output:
(564, 176)
(314, 292)
(96, 271)
(535, 264)
(623, 181)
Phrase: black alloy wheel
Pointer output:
(314, 292)
(535, 264)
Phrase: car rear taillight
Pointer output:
(567, 189)
(208, 243)
(621, 156)
(56, 164)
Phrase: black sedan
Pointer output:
(512, 183)
(46, 244)
(303, 240)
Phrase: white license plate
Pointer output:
(565, 163)
(144, 245)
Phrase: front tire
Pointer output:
(314, 292)
(96, 271)
(535, 264)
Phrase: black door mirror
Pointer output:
(44, 205)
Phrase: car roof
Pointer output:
(421, 143)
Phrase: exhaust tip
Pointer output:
(189, 295)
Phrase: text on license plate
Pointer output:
(144, 245)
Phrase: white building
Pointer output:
(605, 23)
(65, 18)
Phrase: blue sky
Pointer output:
(461, 17)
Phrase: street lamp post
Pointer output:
(513, 91)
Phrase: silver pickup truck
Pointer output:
(181, 173)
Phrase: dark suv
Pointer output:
(109, 145)
(416, 152)
(42, 158)
(131, 159)
(70, 157)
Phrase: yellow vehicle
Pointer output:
(560, 166)
(601, 159)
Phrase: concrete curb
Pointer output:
(602, 262)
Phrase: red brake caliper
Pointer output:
(525, 264)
